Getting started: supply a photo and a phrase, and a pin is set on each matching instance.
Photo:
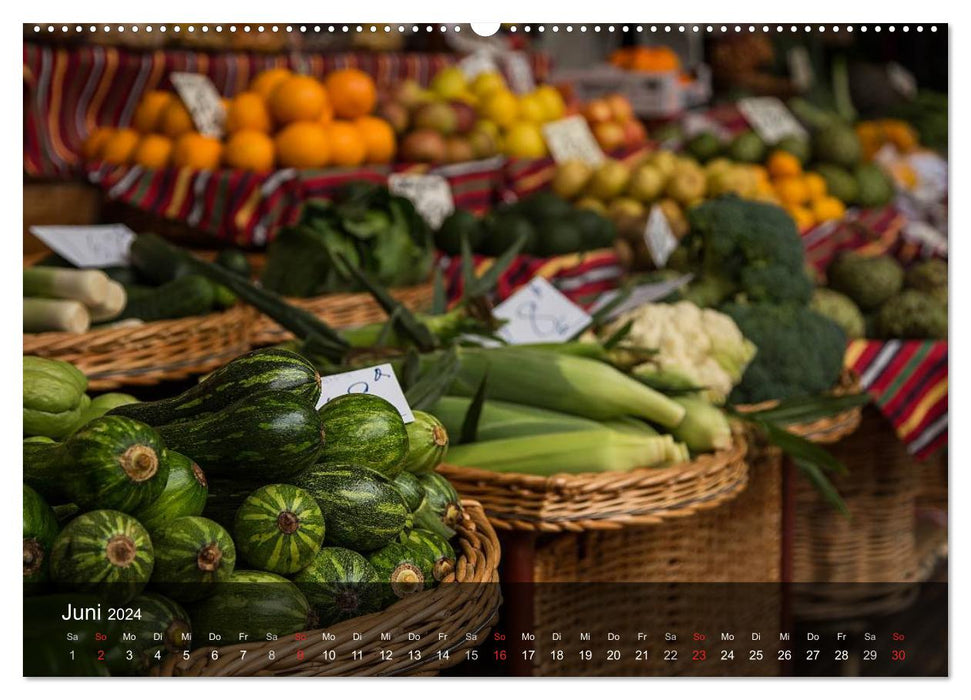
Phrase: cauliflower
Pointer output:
(694, 346)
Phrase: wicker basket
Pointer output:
(607, 500)
(149, 353)
(467, 602)
(343, 311)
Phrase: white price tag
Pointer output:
(379, 380)
(203, 101)
(658, 237)
(520, 73)
(770, 118)
(478, 62)
(430, 194)
(800, 68)
(540, 313)
(571, 139)
(88, 246)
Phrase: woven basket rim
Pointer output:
(477, 563)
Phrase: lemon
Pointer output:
(553, 105)
(449, 83)
(525, 140)
(487, 83)
(531, 109)
(501, 107)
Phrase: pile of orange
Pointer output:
(646, 58)
(282, 120)
(803, 195)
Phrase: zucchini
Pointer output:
(279, 528)
(250, 606)
(259, 370)
(40, 529)
(436, 547)
(161, 628)
(234, 260)
(364, 430)
(103, 551)
(340, 584)
(190, 295)
(407, 570)
(157, 264)
(185, 493)
(410, 489)
(362, 510)
(192, 555)
(427, 443)
(265, 436)
(442, 510)
(112, 462)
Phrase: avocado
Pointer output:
(596, 231)
(503, 229)
(542, 206)
(837, 144)
(461, 222)
(703, 146)
(839, 182)
(875, 188)
(747, 147)
(559, 237)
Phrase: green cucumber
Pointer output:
(190, 295)
(365, 430)
(427, 443)
(260, 370)
(251, 606)
(442, 510)
(234, 260)
(112, 462)
(192, 555)
(410, 488)
(436, 547)
(269, 435)
(40, 529)
(161, 627)
(407, 570)
(361, 508)
(157, 264)
(279, 528)
(340, 584)
(104, 550)
(184, 494)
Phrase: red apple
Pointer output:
(620, 107)
(597, 111)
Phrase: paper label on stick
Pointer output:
(571, 139)
(430, 194)
(478, 62)
(203, 101)
(88, 246)
(770, 118)
(658, 237)
(379, 380)
(520, 72)
(540, 313)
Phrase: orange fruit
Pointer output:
(783, 164)
(792, 190)
(265, 82)
(93, 146)
(327, 115)
(352, 92)
(193, 150)
(816, 185)
(379, 140)
(296, 99)
(347, 144)
(153, 151)
(118, 148)
(302, 145)
(247, 111)
(148, 114)
(176, 120)
(802, 216)
(828, 209)
(249, 149)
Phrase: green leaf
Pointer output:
(410, 370)
(799, 448)
(483, 285)
(387, 329)
(470, 423)
(434, 381)
(806, 409)
(439, 299)
(823, 485)
(618, 335)
(601, 314)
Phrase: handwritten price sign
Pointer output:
(88, 246)
(770, 118)
(539, 313)
(379, 380)
(203, 101)
(571, 139)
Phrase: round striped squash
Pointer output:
(340, 584)
(279, 528)
(192, 555)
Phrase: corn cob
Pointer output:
(704, 428)
(500, 419)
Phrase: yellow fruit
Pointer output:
(552, 101)
(148, 114)
(783, 164)
(900, 134)
(487, 83)
(197, 152)
(802, 216)
(176, 120)
(531, 109)
(153, 151)
(828, 209)
(250, 149)
(297, 98)
(487, 126)
(449, 83)
(761, 175)
(792, 190)
(816, 186)
(120, 146)
(346, 142)
(302, 145)
(265, 83)
(525, 140)
(247, 112)
(500, 107)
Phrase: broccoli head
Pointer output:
(800, 352)
(867, 280)
(914, 315)
(743, 250)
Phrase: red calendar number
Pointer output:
(898, 654)
(698, 655)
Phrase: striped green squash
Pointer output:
(407, 570)
(112, 462)
(185, 493)
(410, 488)
(340, 584)
(269, 369)
(279, 528)
(436, 547)
(162, 628)
(192, 555)
(266, 436)
(250, 606)
(361, 508)
(427, 443)
(40, 529)
(104, 551)
(365, 430)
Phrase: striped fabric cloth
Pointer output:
(69, 90)
(908, 382)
